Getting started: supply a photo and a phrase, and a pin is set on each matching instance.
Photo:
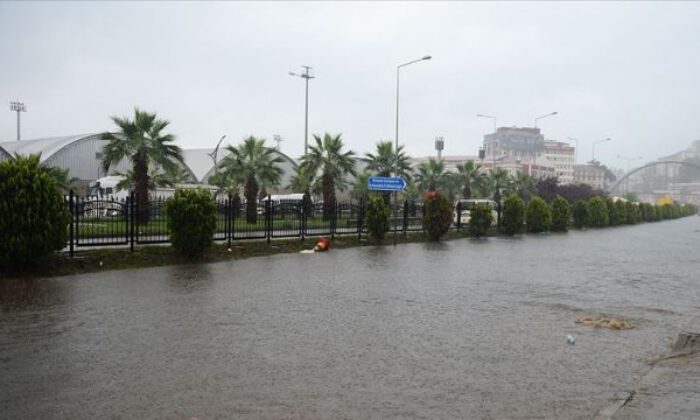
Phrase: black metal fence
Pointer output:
(95, 222)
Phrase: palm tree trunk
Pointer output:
(141, 188)
(466, 191)
(251, 203)
(328, 186)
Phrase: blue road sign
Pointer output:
(386, 183)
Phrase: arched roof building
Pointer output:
(82, 156)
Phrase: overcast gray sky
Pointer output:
(628, 71)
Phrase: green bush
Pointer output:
(538, 216)
(513, 214)
(437, 215)
(480, 219)
(621, 212)
(632, 213)
(598, 212)
(33, 214)
(582, 214)
(561, 214)
(377, 218)
(191, 220)
(613, 213)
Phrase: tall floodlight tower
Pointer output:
(306, 76)
(18, 107)
(439, 146)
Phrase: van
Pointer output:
(283, 203)
(467, 204)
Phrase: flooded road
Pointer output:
(462, 329)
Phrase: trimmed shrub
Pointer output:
(582, 214)
(480, 219)
(632, 212)
(437, 215)
(621, 212)
(613, 213)
(33, 215)
(561, 214)
(598, 212)
(191, 220)
(513, 214)
(538, 216)
(377, 218)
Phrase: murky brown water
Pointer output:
(462, 329)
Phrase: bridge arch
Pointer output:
(617, 183)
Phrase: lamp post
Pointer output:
(493, 141)
(396, 137)
(18, 107)
(306, 76)
(545, 116)
(627, 179)
(215, 153)
(593, 147)
(427, 57)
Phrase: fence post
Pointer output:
(268, 219)
(132, 230)
(405, 218)
(70, 227)
(302, 217)
(227, 220)
(459, 216)
(334, 217)
(360, 218)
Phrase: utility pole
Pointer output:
(277, 139)
(306, 76)
(18, 107)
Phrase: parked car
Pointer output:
(467, 204)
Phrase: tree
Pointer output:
(547, 188)
(513, 215)
(431, 175)
(582, 214)
(328, 162)
(598, 212)
(468, 177)
(538, 216)
(143, 142)
(252, 163)
(33, 215)
(377, 218)
(386, 162)
(498, 179)
(191, 220)
(561, 214)
(480, 219)
(523, 185)
(613, 213)
(359, 188)
(437, 215)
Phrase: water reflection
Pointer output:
(30, 294)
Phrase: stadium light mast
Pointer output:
(18, 107)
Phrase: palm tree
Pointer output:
(523, 185)
(327, 162)
(254, 164)
(142, 141)
(387, 163)
(431, 175)
(498, 182)
(469, 177)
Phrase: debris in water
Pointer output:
(609, 323)
(570, 340)
(100, 263)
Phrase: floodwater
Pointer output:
(462, 329)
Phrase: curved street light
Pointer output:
(593, 148)
(545, 116)
(427, 57)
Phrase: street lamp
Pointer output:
(427, 57)
(493, 141)
(593, 148)
(215, 153)
(627, 179)
(18, 107)
(545, 116)
(306, 76)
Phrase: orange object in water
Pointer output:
(322, 245)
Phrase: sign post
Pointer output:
(390, 184)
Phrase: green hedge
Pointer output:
(598, 212)
(582, 214)
(437, 215)
(480, 219)
(33, 214)
(561, 214)
(191, 220)
(377, 218)
(538, 215)
(512, 215)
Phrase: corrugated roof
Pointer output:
(47, 147)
